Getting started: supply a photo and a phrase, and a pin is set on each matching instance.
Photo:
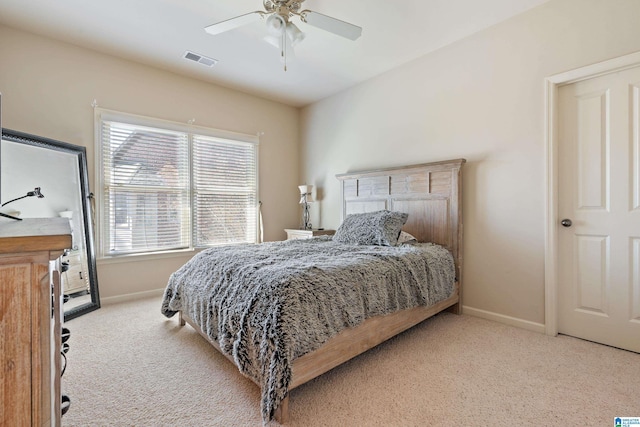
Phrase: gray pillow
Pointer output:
(371, 228)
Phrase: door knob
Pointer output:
(566, 222)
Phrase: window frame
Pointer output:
(102, 229)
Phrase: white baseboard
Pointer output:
(501, 318)
(131, 297)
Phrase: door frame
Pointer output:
(552, 84)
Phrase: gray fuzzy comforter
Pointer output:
(268, 304)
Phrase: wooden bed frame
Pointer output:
(431, 194)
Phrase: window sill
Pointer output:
(146, 256)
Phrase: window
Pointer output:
(166, 186)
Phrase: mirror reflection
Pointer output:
(56, 173)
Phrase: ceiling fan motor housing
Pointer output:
(284, 8)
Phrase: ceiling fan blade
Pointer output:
(232, 23)
(333, 25)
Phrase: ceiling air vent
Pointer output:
(209, 62)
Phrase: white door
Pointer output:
(599, 195)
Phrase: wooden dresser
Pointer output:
(30, 320)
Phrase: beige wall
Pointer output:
(481, 99)
(48, 88)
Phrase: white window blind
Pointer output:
(225, 196)
(169, 189)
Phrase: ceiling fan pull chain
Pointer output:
(284, 49)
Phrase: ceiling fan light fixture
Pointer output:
(294, 34)
(274, 41)
(276, 24)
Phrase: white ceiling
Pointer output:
(158, 32)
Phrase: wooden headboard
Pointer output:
(430, 193)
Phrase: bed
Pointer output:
(307, 306)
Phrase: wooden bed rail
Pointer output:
(346, 345)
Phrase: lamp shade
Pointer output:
(274, 41)
(276, 24)
(305, 193)
(305, 189)
(294, 33)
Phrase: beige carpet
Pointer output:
(129, 366)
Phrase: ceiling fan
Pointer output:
(284, 33)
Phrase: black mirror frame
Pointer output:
(81, 155)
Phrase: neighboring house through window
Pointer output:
(166, 186)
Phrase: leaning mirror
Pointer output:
(56, 173)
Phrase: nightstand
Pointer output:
(306, 234)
